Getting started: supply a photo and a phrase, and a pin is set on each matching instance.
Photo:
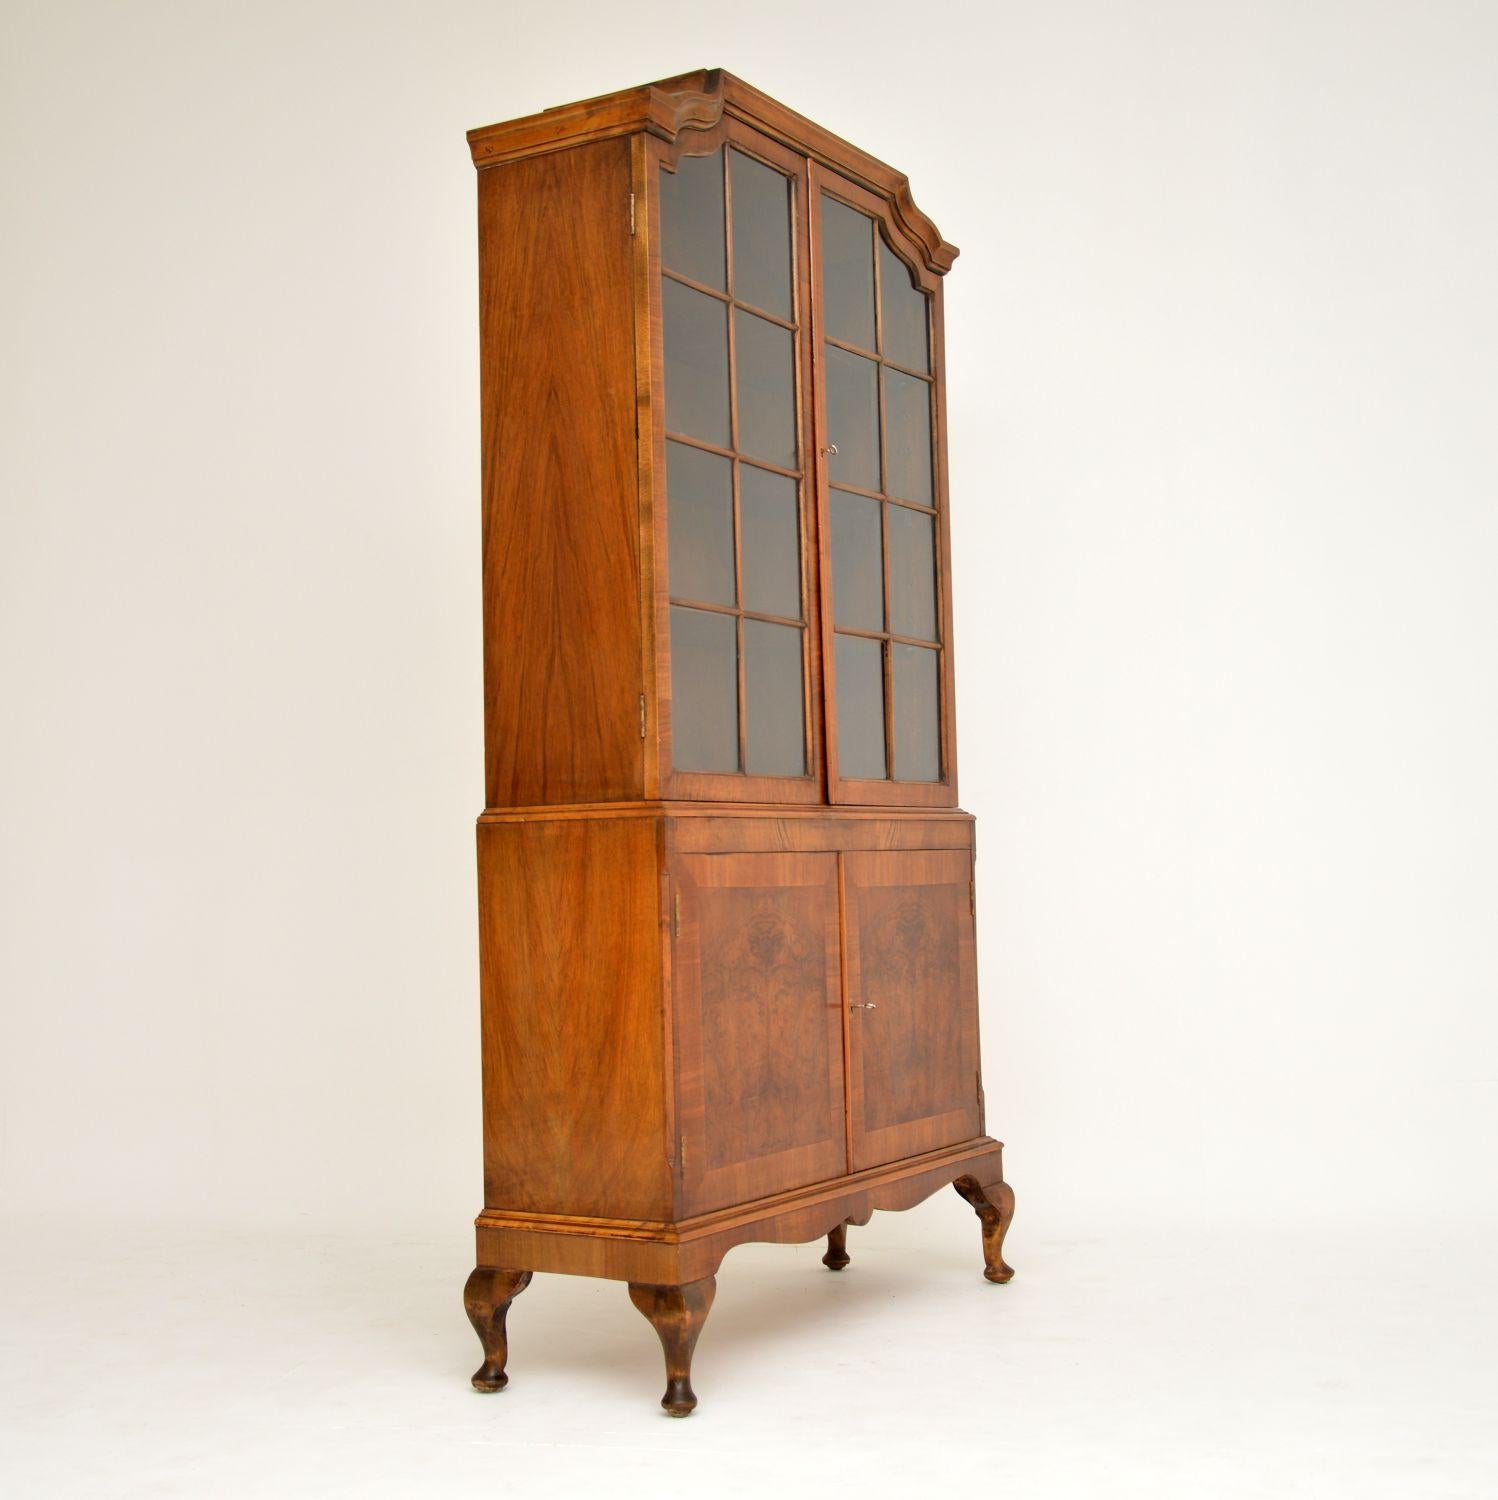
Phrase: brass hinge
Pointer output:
(631, 213)
(676, 914)
(642, 716)
(972, 894)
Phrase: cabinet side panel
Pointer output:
(562, 657)
(573, 1023)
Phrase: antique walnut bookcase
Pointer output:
(726, 896)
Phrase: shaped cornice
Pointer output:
(698, 101)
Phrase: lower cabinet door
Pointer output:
(756, 993)
(913, 1003)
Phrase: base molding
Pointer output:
(671, 1254)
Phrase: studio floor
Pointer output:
(1124, 1361)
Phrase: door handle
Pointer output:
(862, 1005)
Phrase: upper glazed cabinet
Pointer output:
(798, 466)
(715, 481)
(719, 1004)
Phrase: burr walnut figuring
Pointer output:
(729, 989)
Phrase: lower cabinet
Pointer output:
(825, 1015)
(704, 1027)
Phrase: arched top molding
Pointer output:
(698, 101)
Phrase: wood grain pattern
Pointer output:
(836, 1258)
(758, 1023)
(573, 1033)
(486, 1300)
(698, 101)
(994, 1206)
(715, 1009)
(650, 474)
(829, 832)
(686, 1249)
(677, 1314)
(729, 827)
(912, 1002)
(561, 566)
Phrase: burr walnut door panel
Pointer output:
(912, 1003)
(758, 1005)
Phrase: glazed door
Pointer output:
(880, 422)
(757, 1000)
(912, 1003)
(796, 484)
(738, 654)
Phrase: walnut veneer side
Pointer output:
(733, 999)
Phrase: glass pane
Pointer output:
(907, 437)
(905, 337)
(761, 235)
(860, 708)
(852, 419)
(847, 273)
(696, 337)
(912, 574)
(766, 389)
(699, 517)
(774, 725)
(692, 219)
(917, 728)
(704, 691)
(771, 540)
(857, 562)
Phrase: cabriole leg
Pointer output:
(837, 1249)
(994, 1205)
(486, 1300)
(677, 1314)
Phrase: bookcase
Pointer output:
(726, 895)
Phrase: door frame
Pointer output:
(842, 789)
(913, 868)
(704, 1189)
(652, 157)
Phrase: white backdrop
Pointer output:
(1225, 516)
